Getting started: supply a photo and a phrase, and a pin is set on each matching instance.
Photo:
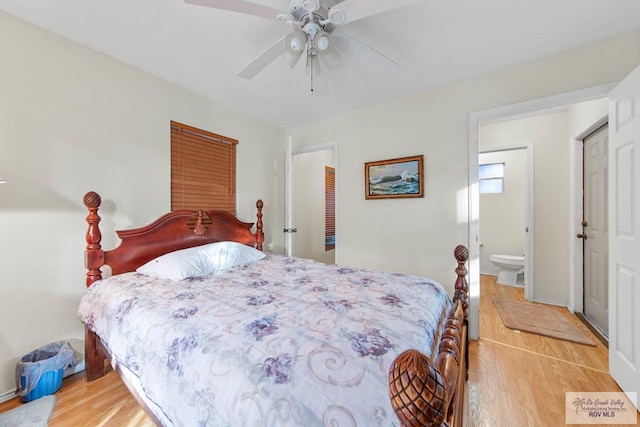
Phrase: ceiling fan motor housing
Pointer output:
(302, 14)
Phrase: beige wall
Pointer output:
(418, 235)
(502, 216)
(308, 214)
(72, 120)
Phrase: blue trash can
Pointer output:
(40, 372)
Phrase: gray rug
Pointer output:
(32, 414)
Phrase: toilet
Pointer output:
(511, 269)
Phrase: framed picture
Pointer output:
(395, 178)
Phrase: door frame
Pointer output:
(576, 278)
(290, 220)
(511, 111)
(529, 212)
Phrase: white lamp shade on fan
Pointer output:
(310, 5)
(295, 43)
(3, 181)
(325, 44)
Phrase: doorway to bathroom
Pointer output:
(506, 209)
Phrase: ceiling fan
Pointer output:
(315, 33)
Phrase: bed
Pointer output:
(274, 340)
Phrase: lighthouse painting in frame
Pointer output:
(394, 178)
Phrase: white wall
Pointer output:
(502, 216)
(418, 235)
(584, 114)
(73, 120)
(309, 209)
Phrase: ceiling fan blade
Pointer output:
(264, 59)
(363, 53)
(354, 10)
(240, 6)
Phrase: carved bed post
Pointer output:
(461, 287)
(259, 225)
(93, 259)
(94, 255)
(422, 391)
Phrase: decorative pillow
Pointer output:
(200, 260)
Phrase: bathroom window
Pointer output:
(491, 178)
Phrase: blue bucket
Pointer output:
(40, 372)
(49, 383)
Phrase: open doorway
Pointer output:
(563, 221)
(507, 215)
(311, 203)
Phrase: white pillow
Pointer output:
(200, 260)
(225, 255)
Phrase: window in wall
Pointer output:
(491, 178)
(329, 208)
(203, 170)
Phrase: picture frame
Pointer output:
(394, 178)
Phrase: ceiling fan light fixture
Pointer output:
(309, 5)
(336, 17)
(295, 42)
(294, 45)
(323, 41)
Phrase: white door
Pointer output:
(594, 234)
(624, 233)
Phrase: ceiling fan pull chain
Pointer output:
(311, 71)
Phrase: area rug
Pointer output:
(32, 414)
(538, 319)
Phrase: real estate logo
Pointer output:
(601, 408)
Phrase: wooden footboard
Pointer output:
(425, 393)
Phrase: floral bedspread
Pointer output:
(280, 342)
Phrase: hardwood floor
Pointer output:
(520, 379)
(515, 379)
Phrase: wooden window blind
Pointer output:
(329, 208)
(203, 170)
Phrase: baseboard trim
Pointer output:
(551, 302)
(593, 329)
(6, 396)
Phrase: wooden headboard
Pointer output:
(172, 231)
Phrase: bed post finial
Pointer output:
(426, 392)
(93, 255)
(259, 225)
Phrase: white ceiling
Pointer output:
(437, 43)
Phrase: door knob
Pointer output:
(581, 236)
